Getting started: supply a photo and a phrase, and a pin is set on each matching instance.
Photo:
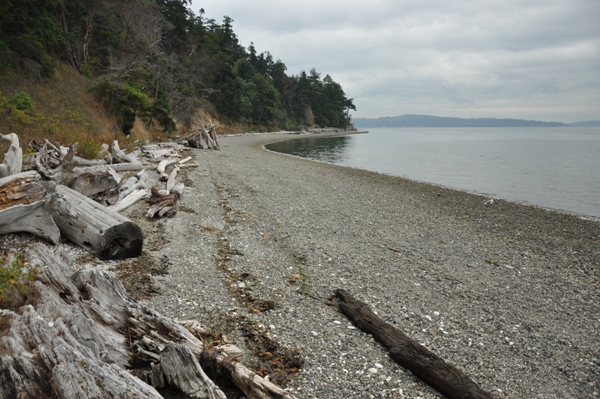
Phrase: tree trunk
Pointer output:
(98, 229)
(445, 378)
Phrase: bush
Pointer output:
(22, 102)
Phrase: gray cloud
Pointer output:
(513, 58)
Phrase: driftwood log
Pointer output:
(27, 207)
(13, 159)
(98, 229)
(435, 371)
(79, 336)
(90, 183)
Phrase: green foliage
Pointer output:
(164, 63)
(15, 278)
(125, 101)
(22, 102)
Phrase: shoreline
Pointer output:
(486, 195)
(508, 293)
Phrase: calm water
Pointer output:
(556, 168)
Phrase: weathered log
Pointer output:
(119, 155)
(162, 204)
(117, 167)
(171, 178)
(162, 166)
(78, 161)
(90, 183)
(26, 206)
(13, 159)
(129, 200)
(435, 371)
(98, 229)
(225, 359)
(21, 189)
(132, 184)
(48, 160)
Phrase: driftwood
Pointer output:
(162, 204)
(90, 183)
(171, 179)
(177, 189)
(13, 159)
(119, 155)
(48, 160)
(21, 189)
(27, 207)
(79, 336)
(98, 229)
(129, 200)
(445, 378)
(132, 184)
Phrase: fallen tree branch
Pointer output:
(435, 371)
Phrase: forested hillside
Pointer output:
(153, 61)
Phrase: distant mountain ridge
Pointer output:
(585, 123)
(410, 120)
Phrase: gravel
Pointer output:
(507, 292)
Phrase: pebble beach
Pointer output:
(508, 293)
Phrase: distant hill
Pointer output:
(585, 123)
(436, 121)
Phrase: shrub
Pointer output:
(22, 102)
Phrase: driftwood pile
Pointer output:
(79, 336)
(86, 210)
(65, 335)
(203, 138)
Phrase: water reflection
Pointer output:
(326, 149)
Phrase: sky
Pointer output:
(524, 59)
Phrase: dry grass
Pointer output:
(66, 112)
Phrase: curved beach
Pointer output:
(508, 293)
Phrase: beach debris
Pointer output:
(205, 137)
(99, 343)
(161, 204)
(489, 202)
(432, 369)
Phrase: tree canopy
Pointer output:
(157, 60)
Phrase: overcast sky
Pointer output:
(526, 59)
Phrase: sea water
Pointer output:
(554, 167)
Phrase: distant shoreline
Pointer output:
(437, 121)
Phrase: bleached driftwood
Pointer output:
(90, 183)
(132, 184)
(98, 229)
(177, 189)
(13, 159)
(162, 166)
(171, 179)
(184, 161)
(129, 200)
(162, 204)
(25, 206)
(48, 160)
(78, 334)
(119, 155)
